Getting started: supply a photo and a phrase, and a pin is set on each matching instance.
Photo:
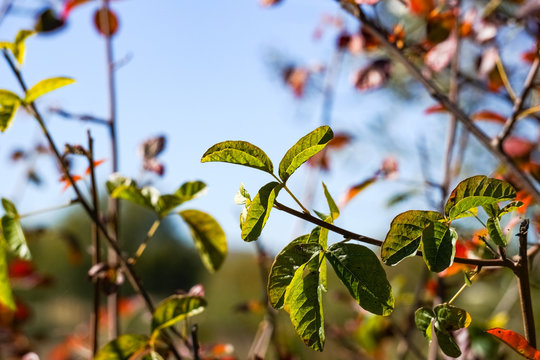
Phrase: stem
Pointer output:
(493, 146)
(96, 251)
(365, 239)
(143, 245)
(464, 286)
(522, 273)
(292, 195)
(195, 341)
(49, 209)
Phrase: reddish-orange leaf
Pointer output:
(479, 235)
(529, 56)
(19, 268)
(96, 164)
(517, 342)
(70, 5)
(526, 199)
(437, 108)
(518, 148)
(339, 141)
(106, 22)
(66, 181)
(495, 82)
(355, 190)
(432, 287)
(489, 116)
(397, 36)
(421, 7)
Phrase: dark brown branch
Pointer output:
(522, 272)
(365, 239)
(434, 91)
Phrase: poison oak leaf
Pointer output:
(488, 115)
(517, 342)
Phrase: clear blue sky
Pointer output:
(199, 73)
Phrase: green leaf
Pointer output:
(242, 197)
(241, 153)
(422, 319)
(319, 235)
(303, 302)
(477, 191)
(258, 211)
(492, 210)
(403, 238)
(208, 236)
(334, 210)
(120, 187)
(438, 246)
(295, 254)
(361, 272)
(18, 48)
(305, 148)
(9, 208)
(45, 86)
(123, 347)
(451, 318)
(6, 295)
(495, 232)
(174, 309)
(447, 343)
(14, 236)
(514, 205)
(188, 191)
(9, 103)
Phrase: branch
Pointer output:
(439, 96)
(497, 263)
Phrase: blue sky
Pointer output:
(199, 74)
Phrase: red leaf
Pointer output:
(106, 22)
(518, 148)
(19, 268)
(355, 190)
(517, 342)
(489, 116)
(339, 141)
(70, 5)
(421, 7)
(96, 164)
(66, 181)
(526, 199)
(437, 108)
(455, 268)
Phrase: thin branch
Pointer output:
(434, 91)
(365, 239)
(80, 117)
(522, 273)
(49, 209)
(144, 244)
(195, 342)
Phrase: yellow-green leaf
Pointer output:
(123, 347)
(334, 210)
(12, 231)
(174, 309)
(303, 302)
(9, 103)
(6, 295)
(45, 86)
(438, 246)
(208, 237)
(258, 211)
(19, 47)
(361, 272)
(305, 148)
(495, 232)
(241, 153)
(423, 318)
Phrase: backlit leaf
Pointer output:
(305, 148)
(6, 295)
(242, 197)
(512, 206)
(303, 302)
(123, 347)
(422, 319)
(45, 86)
(120, 187)
(208, 237)
(495, 232)
(451, 318)
(517, 342)
(12, 231)
(403, 238)
(9, 103)
(241, 153)
(295, 254)
(319, 235)
(355, 190)
(334, 210)
(18, 45)
(259, 210)
(174, 309)
(438, 246)
(188, 191)
(361, 272)
(477, 191)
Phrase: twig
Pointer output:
(195, 342)
(522, 272)
(49, 209)
(80, 117)
(365, 239)
(96, 250)
(434, 91)
(143, 245)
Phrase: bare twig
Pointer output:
(195, 342)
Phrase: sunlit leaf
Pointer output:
(403, 238)
(355, 190)
(495, 232)
(9, 103)
(208, 236)
(361, 272)
(241, 153)
(421, 7)
(319, 235)
(188, 191)
(334, 210)
(303, 302)
(423, 318)
(438, 246)
(259, 210)
(489, 116)
(121, 187)
(517, 342)
(305, 148)
(512, 206)
(45, 86)
(6, 295)
(295, 254)
(451, 318)
(19, 46)
(174, 309)
(477, 191)
(70, 5)
(12, 231)
(242, 197)
(123, 347)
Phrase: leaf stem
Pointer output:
(465, 285)
(143, 245)
(292, 195)
(49, 209)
